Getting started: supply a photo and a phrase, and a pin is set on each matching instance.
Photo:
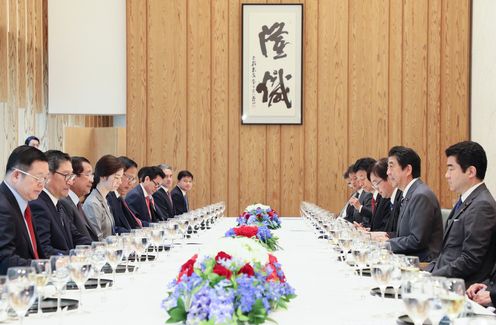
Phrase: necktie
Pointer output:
(186, 200)
(458, 204)
(61, 214)
(138, 221)
(169, 196)
(29, 222)
(391, 205)
(373, 205)
(147, 199)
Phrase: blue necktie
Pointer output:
(458, 204)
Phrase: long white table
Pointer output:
(326, 294)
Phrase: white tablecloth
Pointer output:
(326, 294)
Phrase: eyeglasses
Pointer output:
(39, 180)
(130, 178)
(376, 184)
(156, 184)
(67, 177)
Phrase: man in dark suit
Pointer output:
(362, 213)
(383, 207)
(124, 218)
(58, 234)
(140, 199)
(79, 189)
(26, 173)
(163, 197)
(420, 225)
(179, 193)
(469, 241)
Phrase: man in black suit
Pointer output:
(79, 189)
(124, 218)
(163, 197)
(362, 213)
(58, 234)
(420, 226)
(179, 193)
(26, 173)
(379, 180)
(469, 241)
(140, 199)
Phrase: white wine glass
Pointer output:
(416, 298)
(98, 259)
(80, 268)
(40, 277)
(60, 275)
(454, 299)
(21, 290)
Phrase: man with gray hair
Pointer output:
(162, 197)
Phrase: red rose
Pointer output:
(246, 215)
(187, 268)
(246, 231)
(272, 259)
(247, 269)
(271, 213)
(222, 271)
(222, 255)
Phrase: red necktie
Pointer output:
(373, 205)
(147, 199)
(27, 217)
(130, 211)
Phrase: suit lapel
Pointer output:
(454, 216)
(406, 202)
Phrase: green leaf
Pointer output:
(178, 313)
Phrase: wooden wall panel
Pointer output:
(414, 83)
(333, 120)
(167, 83)
(310, 100)
(4, 26)
(368, 78)
(198, 128)
(455, 47)
(395, 92)
(137, 91)
(220, 101)
(234, 113)
(21, 53)
(377, 73)
(432, 164)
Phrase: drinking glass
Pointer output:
(454, 298)
(60, 275)
(381, 273)
(411, 267)
(114, 254)
(4, 303)
(98, 258)
(416, 298)
(21, 290)
(80, 268)
(436, 307)
(40, 277)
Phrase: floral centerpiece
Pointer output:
(226, 289)
(261, 234)
(259, 214)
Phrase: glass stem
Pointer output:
(40, 299)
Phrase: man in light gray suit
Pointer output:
(469, 241)
(420, 226)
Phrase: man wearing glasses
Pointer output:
(140, 199)
(79, 189)
(163, 197)
(58, 234)
(27, 172)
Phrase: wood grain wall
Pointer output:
(24, 81)
(377, 73)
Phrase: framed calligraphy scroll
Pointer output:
(272, 52)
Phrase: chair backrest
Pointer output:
(445, 213)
